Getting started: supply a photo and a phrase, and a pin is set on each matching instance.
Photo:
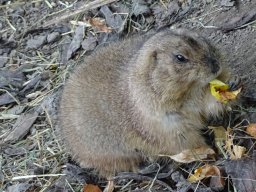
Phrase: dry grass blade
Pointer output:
(34, 176)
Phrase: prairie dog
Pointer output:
(141, 96)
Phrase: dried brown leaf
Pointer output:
(188, 156)
(251, 129)
(205, 172)
(238, 152)
(99, 24)
(91, 188)
(235, 151)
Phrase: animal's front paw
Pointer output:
(234, 83)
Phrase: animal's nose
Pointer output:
(213, 64)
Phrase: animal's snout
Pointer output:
(213, 64)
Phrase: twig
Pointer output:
(92, 5)
(152, 183)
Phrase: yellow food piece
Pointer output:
(220, 91)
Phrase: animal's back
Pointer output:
(93, 106)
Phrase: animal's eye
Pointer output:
(181, 58)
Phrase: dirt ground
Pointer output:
(38, 48)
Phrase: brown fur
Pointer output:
(133, 98)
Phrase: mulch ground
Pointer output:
(41, 41)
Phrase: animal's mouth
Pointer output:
(209, 78)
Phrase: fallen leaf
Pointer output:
(238, 152)
(99, 24)
(205, 172)
(251, 129)
(91, 188)
(190, 155)
(235, 151)
(220, 91)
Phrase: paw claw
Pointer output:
(234, 83)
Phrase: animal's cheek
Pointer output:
(204, 73)
(192, 74)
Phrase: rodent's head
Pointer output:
(178, 59)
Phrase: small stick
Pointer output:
(92, 5)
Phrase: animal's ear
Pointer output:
(154, 54)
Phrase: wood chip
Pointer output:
(76, 41)
(243, 173)
(113, 20)
(7, 98)
(239, 21)
(22, 126)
